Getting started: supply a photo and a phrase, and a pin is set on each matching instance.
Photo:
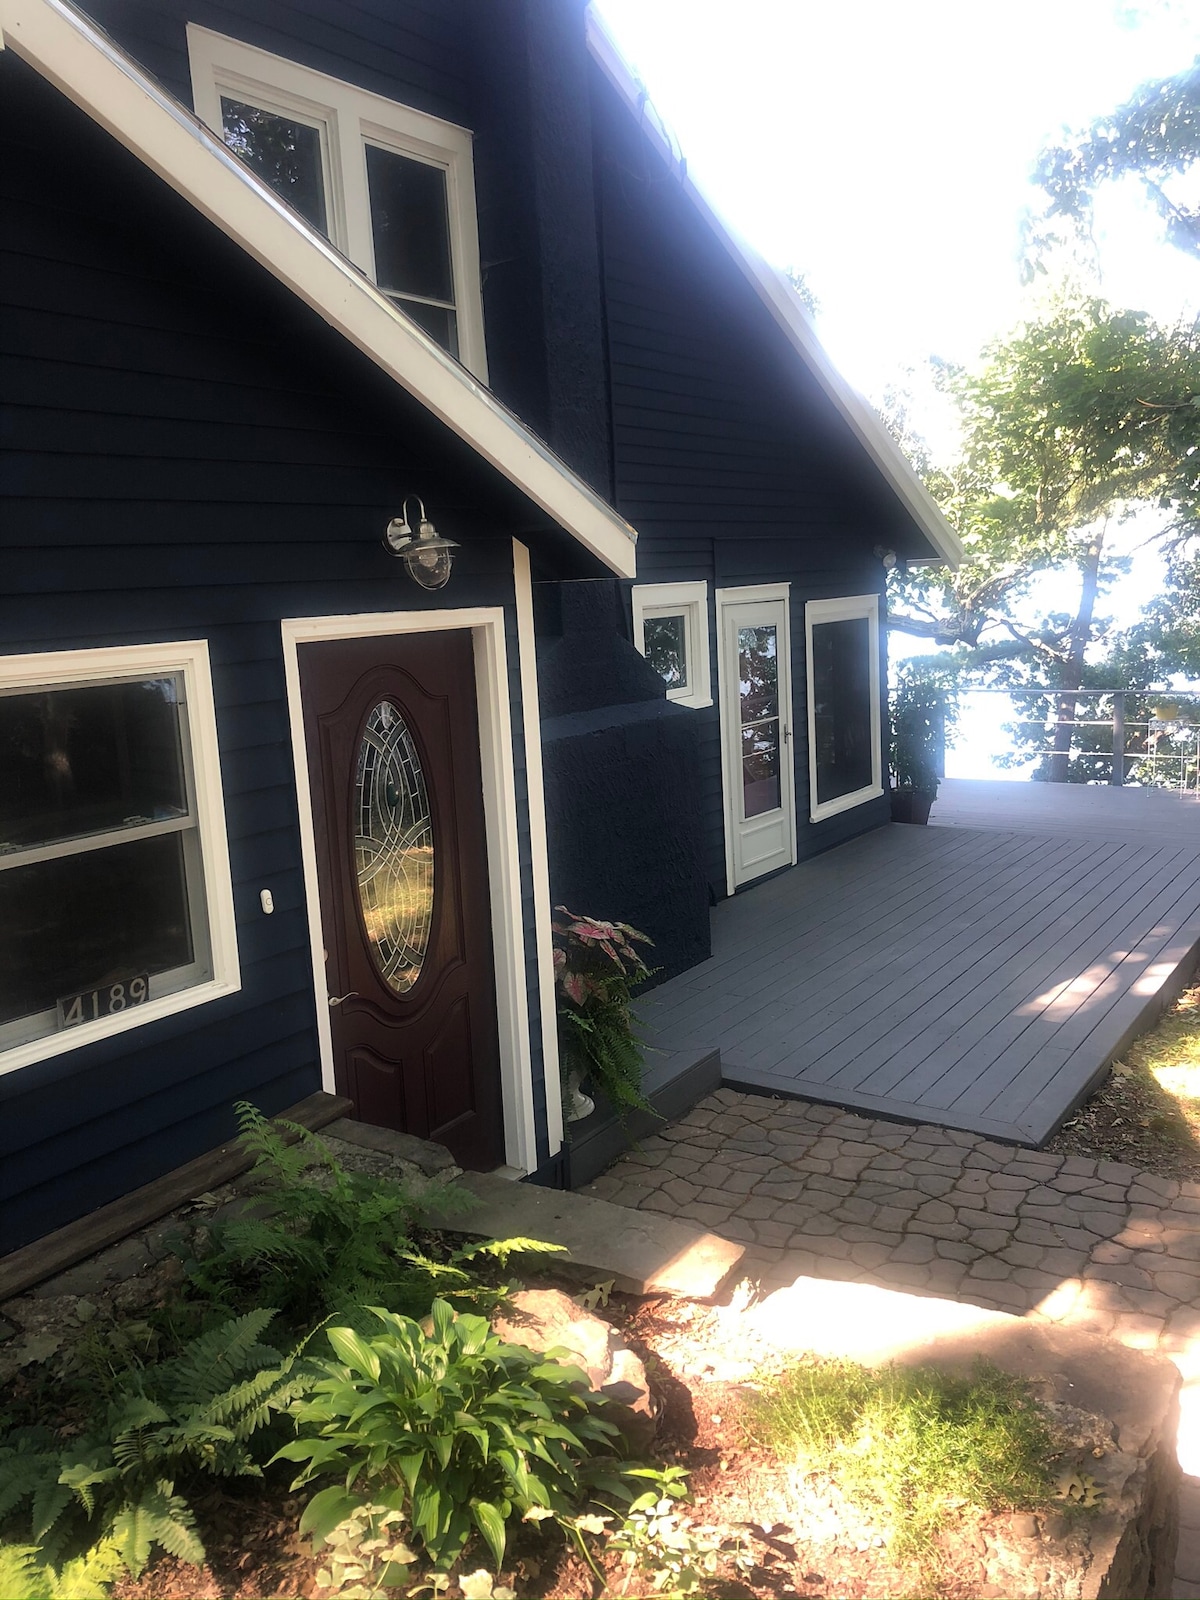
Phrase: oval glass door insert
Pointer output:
(393, 848)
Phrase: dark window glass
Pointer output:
(283, 151)
(758, 672)
(842, 693)
(410, 225)
(86, 760)
(760, 769)
(666, 649)
(95, 918)
(438, 322)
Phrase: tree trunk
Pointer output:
(1072, 673)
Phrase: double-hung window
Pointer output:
(115, 897)
(670, 628)
(845, 750)
(391, 187)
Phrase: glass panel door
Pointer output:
(756, 714)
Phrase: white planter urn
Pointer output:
(576, 1104)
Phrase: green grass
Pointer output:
(913, 1444)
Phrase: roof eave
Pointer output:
(81, 61)
(790, 314)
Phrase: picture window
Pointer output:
(844, 731)
(115, 904)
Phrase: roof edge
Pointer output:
(785, 306)
(85, 65)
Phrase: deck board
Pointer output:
(980, 973)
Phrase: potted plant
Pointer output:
(596, 968)
(917, 742)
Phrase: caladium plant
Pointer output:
(597, 965)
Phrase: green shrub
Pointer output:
(450, 1426)
(910, 1441)
(193, 1415)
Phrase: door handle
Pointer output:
(337, 999)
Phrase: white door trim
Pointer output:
(539, 858)
(731, 785)
(486, 624)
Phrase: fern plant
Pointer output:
(325, 1241)
(195, 1414)
(451, 1427)
(25, 1575)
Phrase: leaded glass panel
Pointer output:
(393, 848)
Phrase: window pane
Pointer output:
(393, 848)
(85, 920)
(283, 151)
(410, 225)
(760, 769)
(84, 760)
(842, 693)
(439, 323)
(666, 649)
(758, 672)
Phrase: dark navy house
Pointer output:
(292, 295)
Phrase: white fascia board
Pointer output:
(788, 310)
(85, 65)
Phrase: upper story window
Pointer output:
(391, 187)
(670, 628)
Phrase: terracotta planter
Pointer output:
(911, 805)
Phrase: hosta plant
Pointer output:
(597, 965)
(450, 1426)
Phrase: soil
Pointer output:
(1131, 1118)
(796, 1534)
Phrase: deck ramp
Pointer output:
(979, 974)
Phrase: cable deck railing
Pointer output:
(1146, 736)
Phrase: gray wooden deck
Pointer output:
(980, 973)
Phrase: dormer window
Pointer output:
(391, 187)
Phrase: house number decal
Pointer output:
(109, 1000)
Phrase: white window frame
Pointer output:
(348, 119)
(198, 730)
(848, 608)
(689, 600)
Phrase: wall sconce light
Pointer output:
(888, 557)
(425, 554)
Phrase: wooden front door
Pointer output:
(392, 733)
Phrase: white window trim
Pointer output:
(671, 600)
(849, 608)
(349, 118)
(500, 810)
(190, 659)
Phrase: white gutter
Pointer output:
(785, 306)
(84, 63)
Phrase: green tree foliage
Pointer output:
(1081, 418)
(1155, 136)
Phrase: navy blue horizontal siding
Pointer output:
(189, 453)
(729, 459)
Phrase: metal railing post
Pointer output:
(1117, 775)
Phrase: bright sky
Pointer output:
(884, 148)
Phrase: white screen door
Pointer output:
(756, 731)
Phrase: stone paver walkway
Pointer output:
(810, 1189)
(816, 1190)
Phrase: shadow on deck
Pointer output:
(981, 973)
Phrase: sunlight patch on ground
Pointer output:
(1188, 1447)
